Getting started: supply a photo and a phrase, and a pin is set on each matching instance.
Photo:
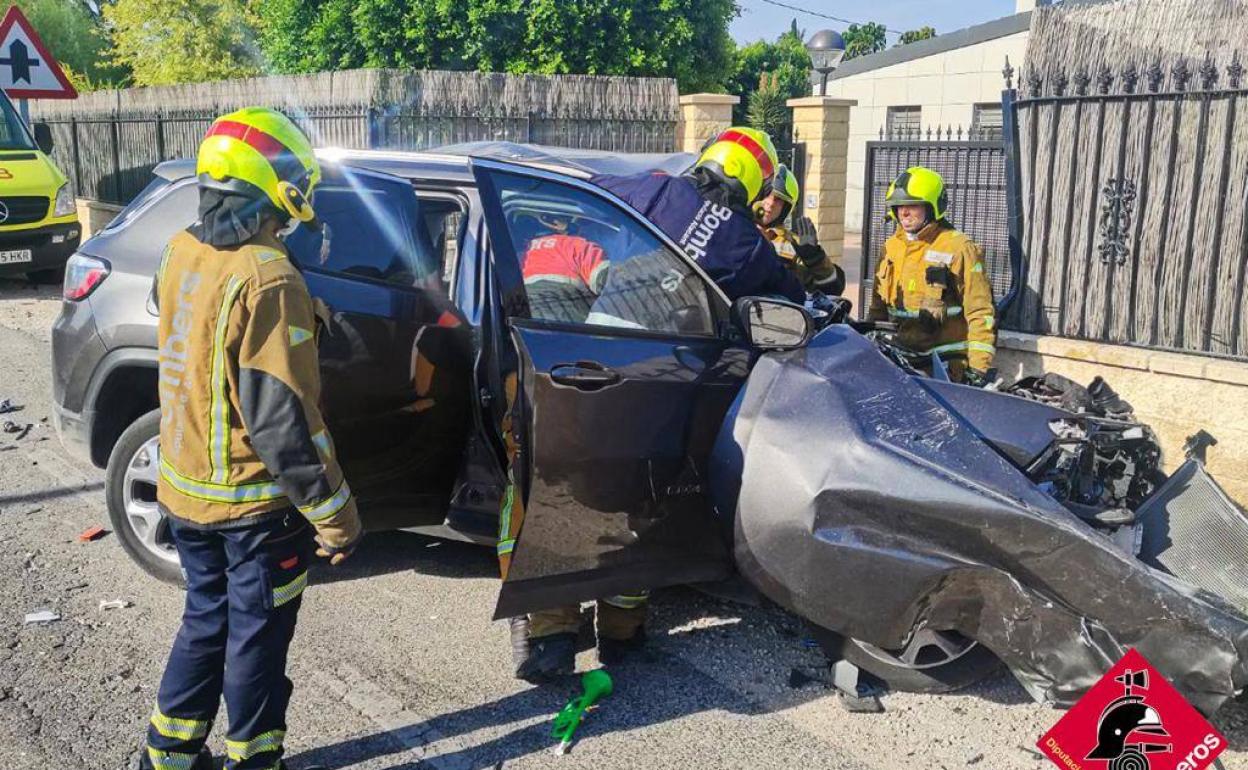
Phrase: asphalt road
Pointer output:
(397, 664)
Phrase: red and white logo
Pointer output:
(1132, 719)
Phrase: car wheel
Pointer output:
(130, 489)
(933, 662)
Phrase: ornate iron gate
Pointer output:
(1136, 190)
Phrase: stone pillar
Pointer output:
(822, 124)
(701, 117)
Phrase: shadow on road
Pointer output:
(382, 553)
(50, 494)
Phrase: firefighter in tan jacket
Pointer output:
(931, 281)
(248, 474)
(799, 247)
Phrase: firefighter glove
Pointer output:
(804, 230)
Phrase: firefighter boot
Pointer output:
(550, 657)
(202, 762)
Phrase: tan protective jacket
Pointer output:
(935, 288)
(241, 434)
(821, 276)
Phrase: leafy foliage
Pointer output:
(863, 39)
(183, 41)
(684, 39)
(767, 110)
(915, 35)
(76, 38)
(786, 59)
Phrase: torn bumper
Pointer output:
(894, 514)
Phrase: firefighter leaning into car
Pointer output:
(931, 281)
(247, 467)
(799, 247)
(707, 213)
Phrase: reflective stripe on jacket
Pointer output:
(935, 287)
(241, 433)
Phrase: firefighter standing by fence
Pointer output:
(247, 467)
(798, 247)
(931, 281)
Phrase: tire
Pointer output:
(130, 490)
(943, 661)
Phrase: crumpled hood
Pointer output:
(866, 505)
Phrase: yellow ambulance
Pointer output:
(39, 227)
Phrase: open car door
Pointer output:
(623, 382)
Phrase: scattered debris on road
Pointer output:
(7, 406)
(114, 604)
(42, 616)
(94, 533)
(20, 430)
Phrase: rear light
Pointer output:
(82, 275)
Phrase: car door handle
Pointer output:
(585, 375)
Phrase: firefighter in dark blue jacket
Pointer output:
(707, 213)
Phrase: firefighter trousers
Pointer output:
(619, 618)
(243, 591)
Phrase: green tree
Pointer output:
(163, 42)
(786, 58)
(767, 110)
(76, 38)
(684, 39)
(863, 39)
(915, 35)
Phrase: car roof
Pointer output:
(450, 162)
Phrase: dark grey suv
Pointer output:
(668, 437)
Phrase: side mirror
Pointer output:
(43, 137)
(774, 324)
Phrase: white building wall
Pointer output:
(945, 85)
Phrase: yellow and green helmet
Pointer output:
(260, 152)
(784, 186)
(918, 185)
(743, 157)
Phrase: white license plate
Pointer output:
(13, 257)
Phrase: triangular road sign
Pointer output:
(27, 70)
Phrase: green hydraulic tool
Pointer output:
(597, 685)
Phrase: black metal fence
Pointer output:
(1135, 184)
(108, 142)
(975, 173)
(110, 158)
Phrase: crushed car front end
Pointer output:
(1046, 536)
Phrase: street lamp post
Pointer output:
(827, 49)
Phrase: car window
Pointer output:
(376, 230)
(444, 218)
(13, 134)
(145, 235)
(157, 184)
(585, 260)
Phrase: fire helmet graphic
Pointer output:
(1128, 718)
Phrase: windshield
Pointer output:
(13, 135)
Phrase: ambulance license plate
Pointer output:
(13, 257)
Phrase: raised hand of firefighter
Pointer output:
(804, 231)
(808, 250)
